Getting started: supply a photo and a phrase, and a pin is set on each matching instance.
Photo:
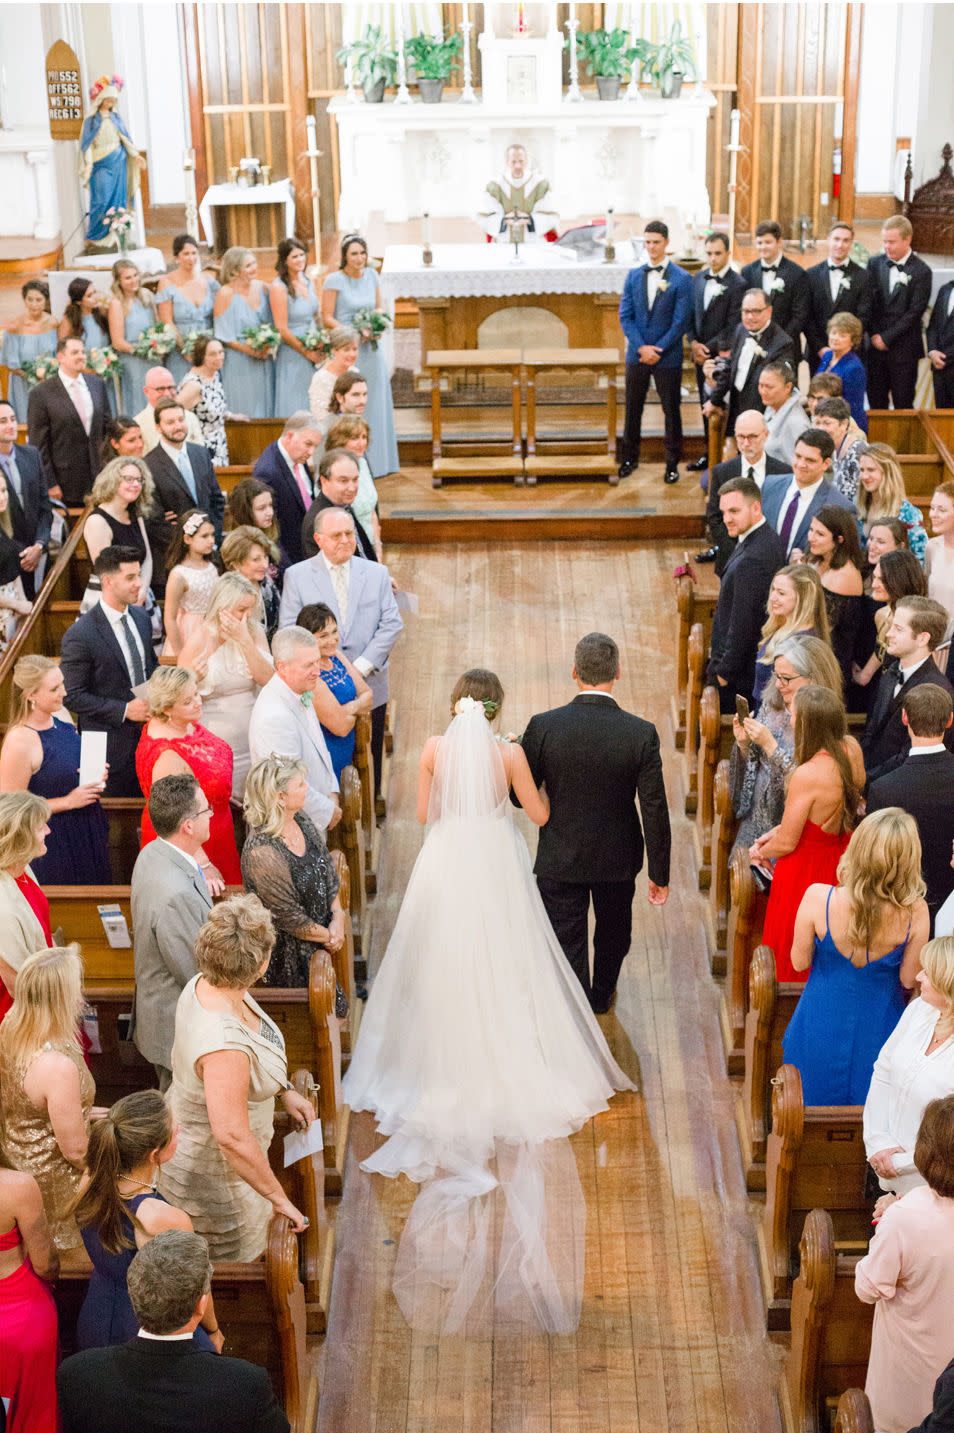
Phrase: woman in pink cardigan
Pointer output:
(908, 1273)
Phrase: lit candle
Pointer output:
(465, 15)
(427, 230)
(734, 128)
(311, 125)
(609, 226)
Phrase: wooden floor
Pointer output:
(672, 1334)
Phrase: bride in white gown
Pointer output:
(478, 1052)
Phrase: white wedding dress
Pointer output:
(478, 1054)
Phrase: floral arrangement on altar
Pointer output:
(105, 361)
(37, 370)
(189, 341)
(262, 339)
(155, 342)
(370, 323)
(317, 340)
(119, 222)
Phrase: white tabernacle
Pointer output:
(471, 270)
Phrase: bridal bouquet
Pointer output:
(370, 323)
(190, 340)
(317, 340)
(155, 342)
(39, 369)
(262, 339)
(104, 361)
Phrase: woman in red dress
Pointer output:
(28, 1260)
(174, 743)
(821, 808)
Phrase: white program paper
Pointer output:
(406, 601)
(303, 1142)
(92, 757)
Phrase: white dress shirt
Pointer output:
(119, 632)
(928, 750)
(713, 282)
(746, 357)
(653, 280)
(893, 274)
(749, 531)
(78, 386)
(756, 469)
(905, 672)
(904, 1081)
(804, 496)
(835, 278)
(164, 1337)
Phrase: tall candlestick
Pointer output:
(734, 149)
(313, 152)
(191, 206)
(632, 89)
(350, 94)
(574, 93)
(467, 95)
(403, 95)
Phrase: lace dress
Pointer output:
(210, 761)
(757, 781)
(199, 582)
(296, 889)
(228, 693)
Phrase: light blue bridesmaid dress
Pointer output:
(249, 382)
(93, 335)
(187, 316)
(293, 373)
(17, 349)
(140, 317)
(352, 295)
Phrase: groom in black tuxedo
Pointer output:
(595, 759)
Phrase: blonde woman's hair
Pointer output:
(165, 688)
(237, 545)
(880, 872)
(234, 942)
(143, 295)
(937, 962)
(886, 502)
(810, 610)
(106, 484)
(227, 592)
(28, 673)
(22, 813)
(5, 523)
(233, 261)
(46, 1005)
(265, 783)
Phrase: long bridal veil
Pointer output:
(479, 1055)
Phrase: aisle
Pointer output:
(672, 1334)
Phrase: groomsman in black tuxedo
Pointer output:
(836, 285)
(740, 610)
(757, 340)
(783, 282)
(899, 292)
(714, 316)
(916, 629)
(596, 761)
(940, 342)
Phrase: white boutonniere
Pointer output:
(662, 286)
(904, 278)
(717, 288)
(759, 351)
(844, 282)
(778, 284)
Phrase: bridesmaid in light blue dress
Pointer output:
(354, 286)
(294, 305)
(185, 299)
(241, 303)
(130, 313)
(17, 348)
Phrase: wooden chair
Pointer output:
(771, 1006)
(831, 1335)
(696, 667)
(725, 827)
(442, 362)
(746, 918)
(815, 1158)
(715, 744)
(854, 1413)
(581, 462)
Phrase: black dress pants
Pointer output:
(668, 383)
(568, 906)
(378, 715)
(892, 377)
(943, 386)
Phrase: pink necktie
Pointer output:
(302, 485)
(78, 403)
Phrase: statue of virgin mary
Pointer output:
(110, 162)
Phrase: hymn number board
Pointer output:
(64, 92)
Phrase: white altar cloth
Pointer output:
(472, 270)
(281, 192)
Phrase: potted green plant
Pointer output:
(374, 63)
(607, 56)
(432, 60)
(673, 62)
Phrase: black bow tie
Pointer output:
(656, 269)
(838, 268)
(893, 265)
(769, 268)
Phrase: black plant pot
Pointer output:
(608, 86)
(431, 91)
(374, 94)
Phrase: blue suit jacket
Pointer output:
(272, 469)
(773, 496)
(665, 325)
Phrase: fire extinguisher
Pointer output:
(836, 172)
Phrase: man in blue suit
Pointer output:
(30, 509)
(654, 314)
(791, 500)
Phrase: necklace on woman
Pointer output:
(140, 1184)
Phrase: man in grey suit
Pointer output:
(791, 500)
(170, 903)
(359, 593)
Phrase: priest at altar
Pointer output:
(517, 194)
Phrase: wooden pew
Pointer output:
(691, 606)
(771, 1006)
(369, 826)
(694, 677)
(854, 1413)
(715, 744)
(746, 918)
(348, 838)
(831, 1333)
(815, 1158)
(725, 828)
(247, 441)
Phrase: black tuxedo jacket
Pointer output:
(172, 495)
(272, 469)
(777, 346)
(365, 546)
(853, 299)
(715, 325)
(70, 454)
(740, 610)
(98, 689)
(789, 304)
(157, 1387)
(885, 742)
(897, 316)
(940, 330)
(720, 474)
(596, 759)
(924, 787)
(31, 521)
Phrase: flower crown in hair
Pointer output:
(467, 704)
(103, 83)
(192, 524)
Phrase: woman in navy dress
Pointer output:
(242, 303)
(343, 692)
(41, 753)
(118, 1210)
(185, 300)
(861, 941)
(294, 306)
(130, 313)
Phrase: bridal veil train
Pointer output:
(479, 1055)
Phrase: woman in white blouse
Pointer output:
(915, 1066)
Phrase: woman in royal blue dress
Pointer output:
(242, 303)
(111, 162)
(841, 358)
(352, 288)
(294, 306)
(861, 941)
(130, 313)
(41, 753)
(185, 300)
(118, 1210)
(343, 692)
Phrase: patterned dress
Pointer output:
(210, 411)
(340, 683)
(297, 890)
